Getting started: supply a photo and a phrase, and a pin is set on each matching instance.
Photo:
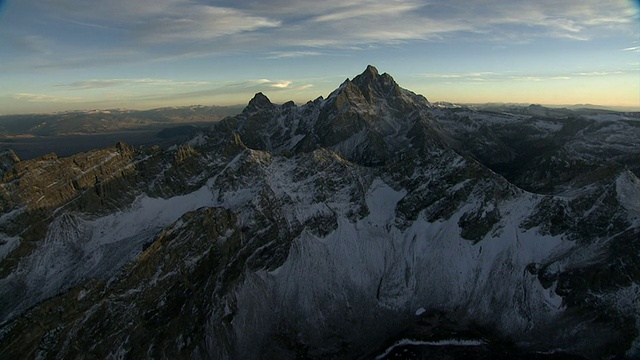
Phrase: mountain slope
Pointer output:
(331, 229)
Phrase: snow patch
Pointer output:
(382, 200)
(147, 213)
(551, 126)
(198, 140)
(449, 342)
(628, 193)
(8, 244)
(606, 117)
(75, 249)
(295, 139)
(625, 301)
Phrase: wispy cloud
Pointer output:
(104, 83)
(493, 76)
(28, 44)
(293, 54)
(161, 21)
(537, 78)
(633, 48)
(213, 90)
(39, 98)
(247, 86)
(475, 76)
(200, 22)
(263, 84)
(599, 73)
(554, 19)
(170, 29)
(281, 84)
(527, 78)
(367, 9)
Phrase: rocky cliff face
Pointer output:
(48, 182)
(334, 229)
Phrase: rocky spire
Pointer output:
(373, 85)
(259, 102)
(369, 75)
(371, 70)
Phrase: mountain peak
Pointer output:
(260, 99)
(369, 75)
(371, 70)
(259, 102)
(372, 85)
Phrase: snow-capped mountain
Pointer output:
(347, 227)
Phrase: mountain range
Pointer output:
(67, 133)
(97, 121)
(368, 224)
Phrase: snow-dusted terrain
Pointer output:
(337, 229)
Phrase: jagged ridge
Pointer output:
(319, 230)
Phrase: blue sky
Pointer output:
(66, 54)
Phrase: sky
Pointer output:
(58, 55)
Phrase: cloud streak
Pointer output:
(173, 27)
(160, 21)
(199, 22)
(248, 86)
(105, 83)
(293, 54)
(240, 87)
(501, 77)
(599, 73)
(471, 75)
(367, 9)
(42, 98)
